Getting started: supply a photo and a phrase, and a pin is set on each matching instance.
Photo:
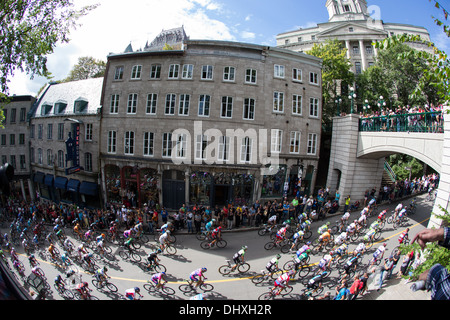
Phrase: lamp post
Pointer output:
(366, 106)
(352, 97)
(338, 102)
(381, 102)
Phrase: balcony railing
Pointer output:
(428, 122)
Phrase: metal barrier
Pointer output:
(427, 122)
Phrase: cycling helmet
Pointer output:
(244, 247)
(168, 231)
(278, 256)
(204, 269)
(137, 289)
(159, 250)
(103, 235)
(308, 243)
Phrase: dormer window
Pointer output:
(350, 29)
(45, 109)
(60, 107)
(80, 105)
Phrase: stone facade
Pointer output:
(211, 89)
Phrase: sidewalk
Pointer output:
(394, 289)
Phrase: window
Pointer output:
(278, 101)
(314, 107)
(32, 155)
(12, 139)
(155, 71)
(250, 76)
(312, 143)
(49, 131)
(23, 114)
(32, 131)
(358, 69)
(114, 105)
(224, 148)
(174, 70)
(60, 131)
(148, 143)
(4, 159)
(12, 161)
(12, 118)
(350, 29)
(278, 71)
(170, 104)
(89, 130)
(40, 130)
(132, 103)
(80, 106)
(40, 156)
(118, 73)
(112, 141)
(88, 162)
(204, 105)
(22, 162)
(167, 145)
(297, 74)
(207, 72)
(183, 106)
(313, 38)
(152, 102)
(249, 109)
(45, 109)
(299, 39)
(188, 71)
(276, 140)
(60, 159)
(201, 143)
(136, 72)
(3, 140)
(129, 142)
(49, 157)
(227, 107)
(294, 145)
(246, 150)
(355, 50)
(21, 139)
(229, 73)
(180, 146)
(346, 8)
(313, 78)
(369, 50)
(297, 104)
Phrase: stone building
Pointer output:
(64, 135)
(350, 22)
(14, 143)
(209, 123)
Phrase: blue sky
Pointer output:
(117, 23)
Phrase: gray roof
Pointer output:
(61, 98)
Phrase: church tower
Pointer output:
(345, 10)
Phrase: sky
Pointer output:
(114, 24)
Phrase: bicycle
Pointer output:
(207, 244)
(188, 287)
(63, 291)
(301, 267)
(265, 229)
(265, 276)
(157, 268)
(151, 287)
(241, 267)
(105, 283)
(272, 294)
(130, 255)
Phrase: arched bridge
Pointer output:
(359, 147)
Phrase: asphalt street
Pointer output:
(190, 256)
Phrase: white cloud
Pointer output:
(116, 23)
(248, 18)
(248, 35)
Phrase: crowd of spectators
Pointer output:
(404, 119)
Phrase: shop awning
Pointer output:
(89, 188)
(61, 183)
(39, 177)
(48, 180)
(73, 185)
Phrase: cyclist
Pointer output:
(324, 264)
(403, 236)
(345, 217)
(281, 234)
(361, 222)
(378, 254)
(209, 225)
(81, 251)
(101, 275)
(402, 214)
(158, 279)
(65, 258)
(382, 215)
(375, 225)
(315, 282)
(68, 245)
(197, 276)
(88, 235)
(350, 265)
(368, 237)
(51, 250)
(282, 281)
(340, 251)
(298, 236)
(303, 249)
(272, 221)
(360, 249)
(59, 282)
(133, 293)
(272, 265)
(216, 234)
(128, 234)
(87, 257)
(351, 229)
(32, 260)
(323, 228)
(153, 259)
(83, 289)
(324, 238)
(397, 209)
(164, 239)
(100, 242)
(340, 239)
(77, 230)
(239, 257)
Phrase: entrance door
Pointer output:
(221, 195)
(173, 188)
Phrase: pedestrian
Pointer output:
(355, 288)
(230, 218)
(189, 221)
(386, 268)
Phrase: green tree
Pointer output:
(372, 85)
(335, 72)
(87, 67)
(30, 30)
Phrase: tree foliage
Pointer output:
(86, 68)
(335, 66)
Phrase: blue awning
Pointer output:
(73, 185)
(89, 188)
(39, 177)
(48, 180)
(61, 183)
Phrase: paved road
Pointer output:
(234, 287)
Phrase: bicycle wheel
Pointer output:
(200, 236)
(171, 250)
(160, 268)
(124, 255)
(304, 271)
(168, 291)
(185, 288)
(244, 267)
(225, 270)
(259, 278)
(149, 287)
(111, 287)
(221, 243)
(269, 245)
(135, 257)
(206, 287)
(287, 290)
(290, 265)
(266, 296)
(205, 245)
(262, 231)
(286, 248)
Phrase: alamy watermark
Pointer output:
(234, 146)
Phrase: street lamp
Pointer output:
(338, 102)
(352, 97)
(381, 102)
(366, 106)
